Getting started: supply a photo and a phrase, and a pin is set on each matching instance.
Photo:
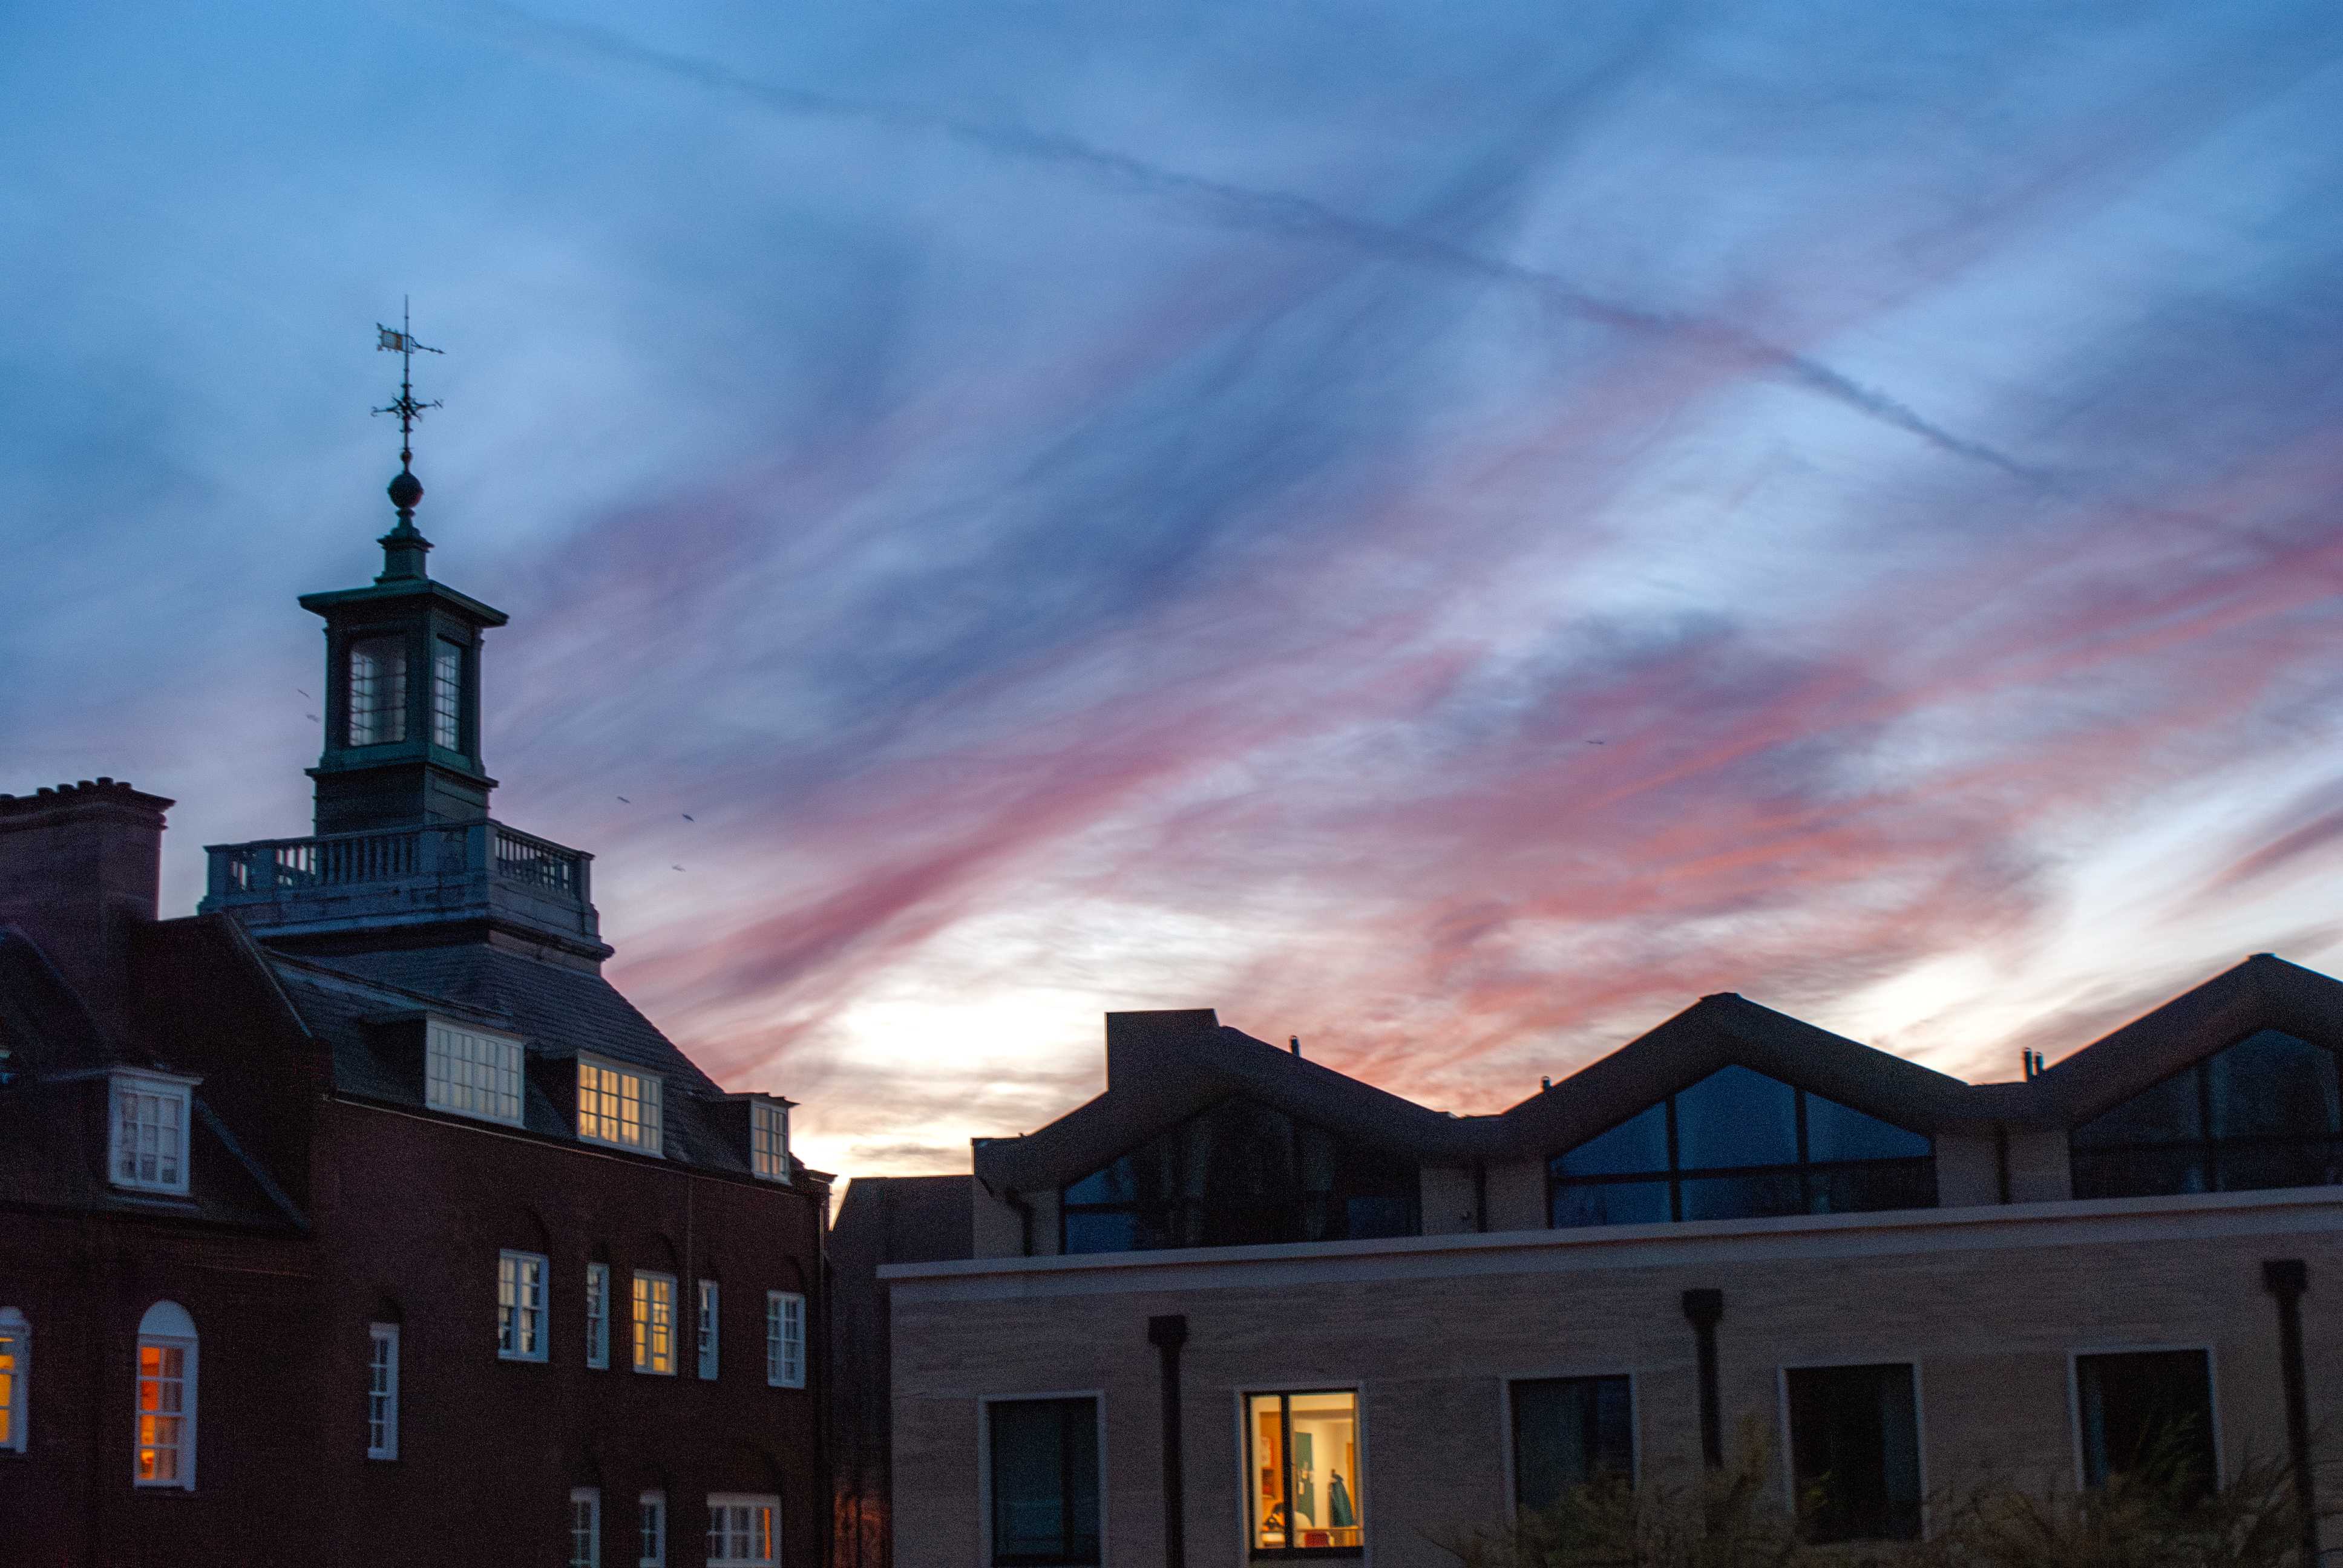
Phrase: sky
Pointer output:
(1447, 531)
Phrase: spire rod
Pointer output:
(404, 545)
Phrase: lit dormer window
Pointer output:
(447, 694)
(769, 1139)
(148, 1148)
(616, 1105)
(377, 691)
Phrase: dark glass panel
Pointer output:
(2272, 1085)
(1835, 1133)
(2147, 1411)
(1636, 1145)
(1749, 1196)
(2167, 1114)
(1735, 1117)
(1610, 1203)
(1367, 1218)
(1117, 1183)
(2250, 1166)
(1874, 1185)
(2138, 1172)
(1045, 1482)
(1567, 1432)
(1855, 1449)
(1097, 1231)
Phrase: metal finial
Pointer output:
(404, 545)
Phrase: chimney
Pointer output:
(79, 866)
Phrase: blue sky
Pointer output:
(1450, 531)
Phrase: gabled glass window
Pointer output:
(1241, 1174)
(1739, 1145)
(2265, 1112)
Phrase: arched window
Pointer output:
(1241, 1174)
(2264, 1112)
(1739, 1145)
(15, 1366)
(167, 1398)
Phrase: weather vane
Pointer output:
(400, 340)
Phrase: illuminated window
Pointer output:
(447, 694)
(741, 1531)
(654, 1305)
(1044, 1476)
(1308, 1497)
(149, 1145)
(769, 1139)
(784, 1339)
(708, 1315)
(16, 1368)
(377, 691)
(1241, 1174)
(520, 1306)
(598, 1315)
(617, 1107)
(2265, 1112)
(166, 1450)
(1737, 1145)
(382, 1392)
(585, 1527)
(653, 1552)
(472, 1073)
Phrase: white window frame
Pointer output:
(651, 1524)
(1572, 1369)
(173, 1089)
(382, 1391)
(586, 1528)
(785, 1339)
(651, 1095)
(719, 1531)
(487, 1084)
(768, 1140)
(1097, 1396)
(2075, 1398)
(711, 1297)
(642, 1322)
(522, 1315)
(597, 1316)
(167, 1326)
(16, 1333)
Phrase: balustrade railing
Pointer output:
(446, 852)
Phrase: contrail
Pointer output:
(1260, 211)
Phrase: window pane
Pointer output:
(2166, 1113)
(1045, 1481)
(1567, 1432)
(1743, 1197)
(1103, 1231)
(1265, 1434)
(2250, 1167)
(1736, 1117)
(1873, 1185)
(1329, 1507)
(1835, 1133)
(2272, 1085)
(1610, 1203)
(446, 694)
(2138, 1173)
(1855, 1449)
(377, 691)
(1636, 1145)
(1117, 1183)
(2147, 1411)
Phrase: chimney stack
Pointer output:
(80, 865)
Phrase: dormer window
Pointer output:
(147, 1151)
(447, 694)
(619, 1107)
(769, 1139)
(472, 1072)
(377, 691)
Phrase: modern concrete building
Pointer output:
(1242, 1308)
(357, 1217)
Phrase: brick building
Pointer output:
(357, 1217)
(1241, 1308)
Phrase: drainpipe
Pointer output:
(1705, 1309)
(1167, 1335)
(2288, 1279)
